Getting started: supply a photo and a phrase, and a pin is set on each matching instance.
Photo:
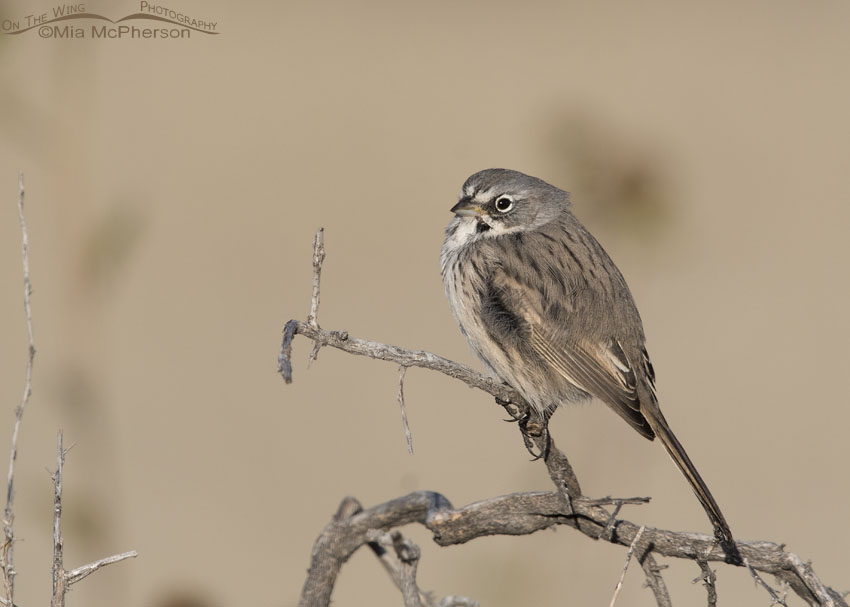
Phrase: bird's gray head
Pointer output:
(501, 201)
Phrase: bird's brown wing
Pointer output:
(600, 369)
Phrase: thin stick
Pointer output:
(614, 501)
(384, 545)
(407, 435)
(74, 576)
(8, 550)
(401, 356)
(318, 258)
(313, 317)
(612, 522)
(59, 578)
(408, 555)
(760, 581)
(652, 571)
(709, 578)
(62, 580)
(626, 565)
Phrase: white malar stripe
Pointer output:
(462, 236)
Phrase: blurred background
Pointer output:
(173, 190)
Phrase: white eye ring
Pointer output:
(504, 204)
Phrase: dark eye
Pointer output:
(504, 204)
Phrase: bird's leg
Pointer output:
(535, 433)
(532, 426)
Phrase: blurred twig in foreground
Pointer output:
(62, 579)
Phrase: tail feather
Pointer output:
(680, 458)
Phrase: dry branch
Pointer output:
(7, 554)
(708, 578)
(403, 408)
(629, 554)
(313, 317)
(58, 598)
(518, 513)
(400, 558)
(652, 571)
(514, 514)
(62, 580)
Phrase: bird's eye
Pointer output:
(504, 204)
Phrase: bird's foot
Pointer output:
(535, 435)
(533, 427)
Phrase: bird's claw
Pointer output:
(531, 426)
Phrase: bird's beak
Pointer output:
(466, 208)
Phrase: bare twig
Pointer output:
(401, 371)
(652, 571)
(395, 554)
(350, 528)
(612, 522)
(629, 553)
(615, 501)
(7, 553)
(408, 555)
(313, 317)
(708, 578)
(776, 600)
(59, 579)
(75, 575)
(62, 580)
(318, 259)
(314, 354)
(400, 356)
(400, 558)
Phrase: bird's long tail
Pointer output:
(677, 452)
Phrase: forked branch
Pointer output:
(62, 580)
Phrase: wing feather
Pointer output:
(593, 370)
(599, 368)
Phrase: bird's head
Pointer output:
(501, 201)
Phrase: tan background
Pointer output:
(173, 188)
